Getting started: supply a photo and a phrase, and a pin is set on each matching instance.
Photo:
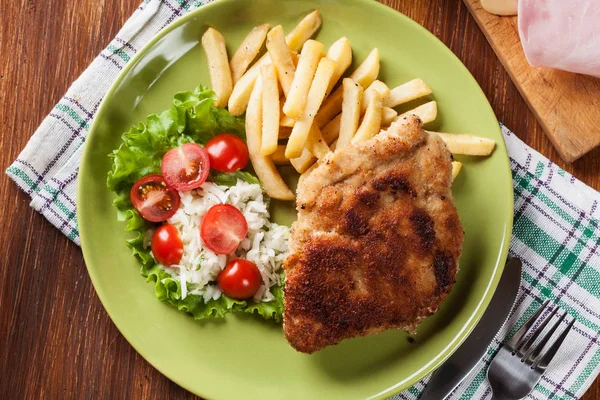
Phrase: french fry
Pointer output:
(426, 112)
(406, 92)
(331, 131)
(308, 163)
(287, 121)
(364, 75)
(218, 65)
(281, 57)
(248, 51)
(278, 157)
(351, 110)
(388, 116)
(304, 30)
(330, 108)
(340, 52)
(456, 167)
(468, 144)
(295, 58)
(303, 162)
(315, 97)
(315, 143)
(371, 123)
(378, 86)
(270, 110)
(367, 72)
(303, 77)
(238, 101)
(265, 170)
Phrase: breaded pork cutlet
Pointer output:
(377, 240)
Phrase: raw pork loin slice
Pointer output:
(561, 34)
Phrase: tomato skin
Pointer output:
(227, 153)
(155, 200)
(240, 279)
(167, 246)
(222, 229)
(186, 167)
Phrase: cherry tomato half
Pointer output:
(223, 228)
(154, 199)
(240, 279)
(227, 152)
(167, 246)
(186, 167)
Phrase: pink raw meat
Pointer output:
(561, 34)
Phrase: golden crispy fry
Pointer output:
(364, 75)
(340, 52)
(303, 162)
(468, 144)
(311, 163)
(278, 157)
(378, 86)
(287, 121)
(304, 30)
(270, 110)
(426, 112)
(330, 134)
(331, 131)
(367, 72)
(456, 167)
(303, 77)
(371, 123)
(330, 108)
(407, 92)
(315, 97)
(218, 65)
(281, 57)
(316, 144)
(248, 51)
(388, 116)
(295, 57)
(265, 170)
(351, 110)
(238, 101)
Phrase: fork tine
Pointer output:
(516, 338)
(535, 352)
(542, 364)
(525, 349)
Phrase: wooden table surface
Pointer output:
(56, 339)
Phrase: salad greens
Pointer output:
(191, 118)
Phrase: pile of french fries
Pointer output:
(297, 110)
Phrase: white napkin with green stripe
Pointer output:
(556, 227)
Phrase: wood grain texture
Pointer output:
(567, 105)
(57, 342)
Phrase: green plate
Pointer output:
(243, 356)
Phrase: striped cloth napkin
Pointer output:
(556, 230)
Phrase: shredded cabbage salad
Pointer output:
(190, 285)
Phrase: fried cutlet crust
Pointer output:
(377, 240)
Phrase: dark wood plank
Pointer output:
(57, 340)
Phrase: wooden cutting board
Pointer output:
(567, 105)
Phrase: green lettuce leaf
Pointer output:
(231, 178)
(191, 118)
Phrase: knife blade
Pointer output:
(462, 362)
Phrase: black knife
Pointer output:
(461, 363)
